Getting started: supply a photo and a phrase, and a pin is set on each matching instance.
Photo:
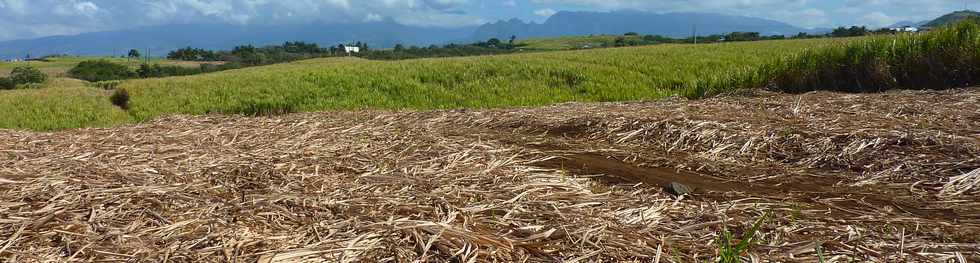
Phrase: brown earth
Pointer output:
(888, 177)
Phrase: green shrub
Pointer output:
(101, 70)
(731, 249)
(27, 75)
(158, 71)
(120, 98)
(7, 83)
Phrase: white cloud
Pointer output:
(878, 19)
(34, 18)
(547, 12)
(372, 17)
(808, 18)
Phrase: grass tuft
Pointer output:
(730, 251)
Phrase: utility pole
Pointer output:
(695, 33)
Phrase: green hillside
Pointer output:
(952, 18)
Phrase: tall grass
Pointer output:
(531, 79)
(59, 104)
(944, 58)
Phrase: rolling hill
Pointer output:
(952, 18)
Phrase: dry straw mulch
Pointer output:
(866, 177)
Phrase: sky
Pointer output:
(21, 19)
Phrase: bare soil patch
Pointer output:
(860, 177)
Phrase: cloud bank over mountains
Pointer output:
(35, 18)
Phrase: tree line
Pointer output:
(636, 39)
(249, 55)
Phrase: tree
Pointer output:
(512, 40)
(100, 70)
(620, 42)
(631, 34)
(133, 53)
(494, 42)
(743, 36)
(854, 31)
(27, 75)
(399, 48)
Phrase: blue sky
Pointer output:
(35, 18)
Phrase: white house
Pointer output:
(350, 49)
(910, 29)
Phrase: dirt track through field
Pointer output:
(840, 200)
(862, 177)
(615, 171)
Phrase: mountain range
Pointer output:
(619, 22)
(161, 39)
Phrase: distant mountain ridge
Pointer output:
(567, 23)
(162, 39)
(953, 18)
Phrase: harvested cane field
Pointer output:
(886, 177)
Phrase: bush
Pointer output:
(27, 75)
(158, 71)
(120, 98)
(101, 70)
(6, 83)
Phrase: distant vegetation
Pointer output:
(249, 55)
(59, 65)
(104, 70)
(101, 70)
(21, 76)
